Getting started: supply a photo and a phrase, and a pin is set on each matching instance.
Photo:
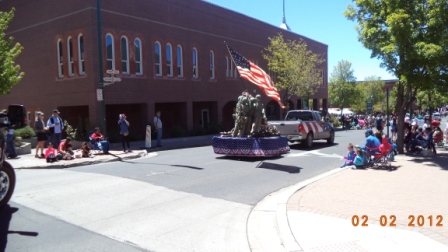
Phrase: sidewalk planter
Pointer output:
(25, 148)
(32, 140)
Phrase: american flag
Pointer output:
(256, 75)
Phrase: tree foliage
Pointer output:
(411, 39)
(342, 88)
(9, 72)
(298, 70)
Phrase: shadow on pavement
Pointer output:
(316, 146)
(5, 218)
(439, 160)
(279, 167)
(188, 166)
(249, 159)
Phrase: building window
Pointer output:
(138, 56)
(195, 63)
(227, 67)
(60, 60)
(110, 52)
(82, 68)
(204, 118)
(169, 60)
(180, 68)
(212, 65)
(158, 59)
(70, 56)
(124, 55)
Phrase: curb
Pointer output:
(268, 226)
(90, 162)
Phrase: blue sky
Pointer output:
(320, 20)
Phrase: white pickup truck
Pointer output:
(305, 126)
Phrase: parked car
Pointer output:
(436, 116)
(305, 126)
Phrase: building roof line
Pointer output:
(49, 21)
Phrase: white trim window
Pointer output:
(212, 65)
(60, 59)
(110, 52)
(70, 56)
(138, 56)
(124, 55)
(180, 67)
(82, 68)
(169, 60)
(195, 63)
(158, 58)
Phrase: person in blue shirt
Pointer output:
(124, 131)
(351, 154)
(372, 143)
(359, 160)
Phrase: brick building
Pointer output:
(170, 54)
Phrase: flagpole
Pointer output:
(233, 61)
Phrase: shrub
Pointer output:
(25, 133)
(80, 133)
(177, 131)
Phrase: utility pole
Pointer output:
(100, 91)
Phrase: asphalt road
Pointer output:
(177, 200)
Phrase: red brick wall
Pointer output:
(39, 24)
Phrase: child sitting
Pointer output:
(359, 160)
(385, 147)
(85, 150)
(50, 153)
(350, 156)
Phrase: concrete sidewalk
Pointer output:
(402, 209)
(116, 153)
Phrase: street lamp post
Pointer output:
(100, 91)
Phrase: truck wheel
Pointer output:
(330, 140)
(308, 143)
(7, 183)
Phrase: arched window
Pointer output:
(138, 56)
(195, 63)
(124, 55)
(110, 52)
(70, 56)
(227, 67)
(60, 60)
(158, 58)
(169, 60)
(82, 68)
(180, 68)
(212, 65)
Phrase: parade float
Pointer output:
(251, 137)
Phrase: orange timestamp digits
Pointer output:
(390, 220)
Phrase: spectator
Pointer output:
(64, 151)
(423, 139)
(50, 153)
(394, 130)
(124, 131)
(85, 150)
(55, 126)
(10, 143)
(41, 132)
(379, 123)
(100, 140)
(359, 160)
(372, 143)
(158, 127)
(350, 157)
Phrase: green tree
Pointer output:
(342, 88)
(298, 70)
(410, 37)
(9, 72)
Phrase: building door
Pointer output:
(205, 118)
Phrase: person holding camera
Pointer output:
(124, 131)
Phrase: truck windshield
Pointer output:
(302, 115)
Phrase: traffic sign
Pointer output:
(112, 71)
(99, 94)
